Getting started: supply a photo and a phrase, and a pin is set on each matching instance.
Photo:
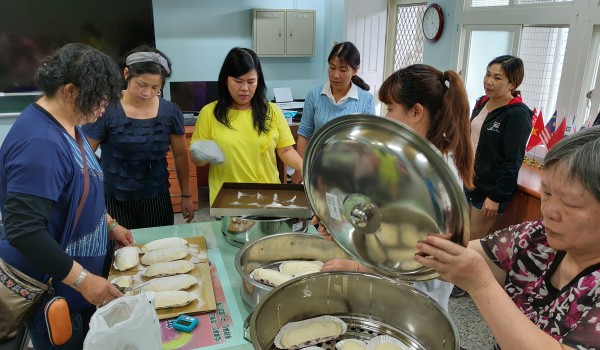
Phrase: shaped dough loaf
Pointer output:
(299, 268)
(177, 282)
(163, 300)
(164, 255)
(310, 331)
(168, 268)
(126, 258)
(169, 242)
(352, 344)
(270, 277)
(389, 346)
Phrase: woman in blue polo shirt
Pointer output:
(344, 93)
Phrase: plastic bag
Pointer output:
(127, 323)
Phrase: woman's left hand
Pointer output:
(456, 264)
(321, 229)
(122, 236)
(489, 207)
(187, 209)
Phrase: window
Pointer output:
(408, 48)
(542, 50)
(552, 37)
(488, 3)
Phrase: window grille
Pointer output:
(409, 35)
(542, 50)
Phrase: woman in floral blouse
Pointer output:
(537, 285)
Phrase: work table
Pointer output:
(226, 323)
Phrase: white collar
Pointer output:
(352, 93)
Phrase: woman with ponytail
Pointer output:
(435, 106)
(344, 93)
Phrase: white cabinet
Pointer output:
(281, 33)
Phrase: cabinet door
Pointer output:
(269, 29)
(531, 210)
(300, 33)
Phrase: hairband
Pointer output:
(139, 57)
(445, 79)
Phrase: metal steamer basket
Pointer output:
(379, 188)
(251, 211)
(370, 305)
(270, 251)
(239, 230)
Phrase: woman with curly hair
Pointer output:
(247, 128)
(47, 169)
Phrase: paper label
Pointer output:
(335, 206)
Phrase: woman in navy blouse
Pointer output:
(134, 135)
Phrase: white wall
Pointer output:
(442, 53)
(196, 35)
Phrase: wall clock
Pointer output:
(433, 22)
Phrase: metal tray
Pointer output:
(261, 200)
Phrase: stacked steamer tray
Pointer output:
(251, 211)
(175, 271)
(262, 264)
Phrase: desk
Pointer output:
(222, 256)
(525, 203)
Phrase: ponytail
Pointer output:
(447, 105)
(358, 81)
(453, 122)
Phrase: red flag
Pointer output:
(535, 115)
(534, 138)
(558, 134)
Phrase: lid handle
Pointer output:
(365, 217)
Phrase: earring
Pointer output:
(159, 93)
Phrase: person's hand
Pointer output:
(340, 265)
(122, 236)
(297, 177)
(456, 264)
(187, 209)
(321, 229)
(489, 208)
(97, 290)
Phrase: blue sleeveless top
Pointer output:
(134, 150)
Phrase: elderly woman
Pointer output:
(537, 285)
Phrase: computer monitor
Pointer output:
(191, 96)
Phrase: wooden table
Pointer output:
(525, 203)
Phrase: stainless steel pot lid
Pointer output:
(378, 187)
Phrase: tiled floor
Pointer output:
(473, 332)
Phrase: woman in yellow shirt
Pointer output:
(247, 128)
